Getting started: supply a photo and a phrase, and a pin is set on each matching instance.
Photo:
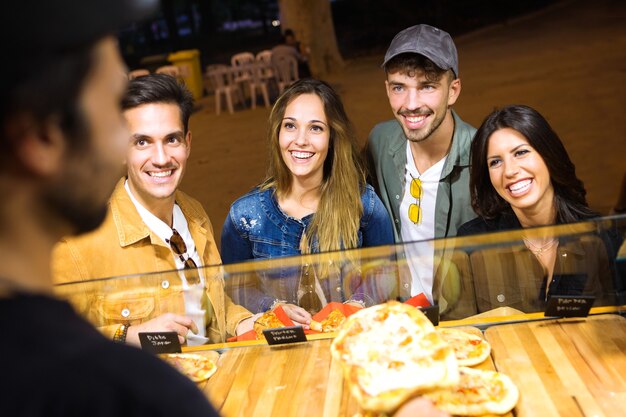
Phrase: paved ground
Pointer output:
(568, 61)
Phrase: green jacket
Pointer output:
(386, 156)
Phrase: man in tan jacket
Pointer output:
(152, 226)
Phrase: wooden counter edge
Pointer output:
(483, 321)
(247, 343)
(522, 317)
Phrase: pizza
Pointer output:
(268, 320)
(469, 349)
(330, 324)
(478, 392)
(197, 367)
(391, 352)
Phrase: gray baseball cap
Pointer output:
(435, 44)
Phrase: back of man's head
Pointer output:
(48, 47)
(58, 95)
(159, 88)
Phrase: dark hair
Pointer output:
(289, 33)
(569, 191)
(48, 88)
(159, 88)
(409, 63)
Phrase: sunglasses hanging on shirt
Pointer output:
(177, 244)
(415, 209)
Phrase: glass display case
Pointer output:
(496, 284)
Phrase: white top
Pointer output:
(194, 295)
(420, 255)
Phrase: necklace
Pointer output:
(539, 250)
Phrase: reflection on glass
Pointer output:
(495, 273)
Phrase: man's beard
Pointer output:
(421, 135)
(79, 197)
(81, 214)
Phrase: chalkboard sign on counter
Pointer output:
(160, 342)
(281, 335)
(569, 306)
(431, 313)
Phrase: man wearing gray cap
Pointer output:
(421, 159)
(61, 142)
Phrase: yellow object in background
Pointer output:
(189, 63)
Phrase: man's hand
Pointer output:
(297, 314)
(246, 325)
(167, 322)
(420, 407)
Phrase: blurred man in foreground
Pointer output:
(62, 139)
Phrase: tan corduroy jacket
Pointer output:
(124, 245)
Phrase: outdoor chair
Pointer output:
(172, 70)
(285, 70)
(222, 81)
(138, 73)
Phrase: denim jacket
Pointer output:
(256, 228)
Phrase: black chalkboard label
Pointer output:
(283, 335)
(160, 342)
(432, 314)
(569, 306)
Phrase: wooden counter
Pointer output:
(291, 380)
(567, 367)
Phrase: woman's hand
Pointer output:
(246, 325)
(297, 314)
(354, 303)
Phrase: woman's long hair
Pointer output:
(569, 192)
(335, 224)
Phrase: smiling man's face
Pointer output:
(420, 104)
(157, 152)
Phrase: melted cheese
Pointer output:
(395, 351)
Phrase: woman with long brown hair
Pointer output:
(315, 197)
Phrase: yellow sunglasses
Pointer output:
(415, 209)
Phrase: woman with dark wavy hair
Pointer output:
(534, 173)
(522, 177)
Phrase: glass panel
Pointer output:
(476, 279)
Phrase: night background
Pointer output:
(565, 58)
(221, 28)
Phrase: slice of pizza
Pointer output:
(316, 325)
(469, 349)
(197, 367)
(478, 392)
(391, 352)
(333, 321)
(268, 320)
(330, 324)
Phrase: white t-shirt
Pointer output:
(420, 255)
(193, 295)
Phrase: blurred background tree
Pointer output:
(312, 23)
